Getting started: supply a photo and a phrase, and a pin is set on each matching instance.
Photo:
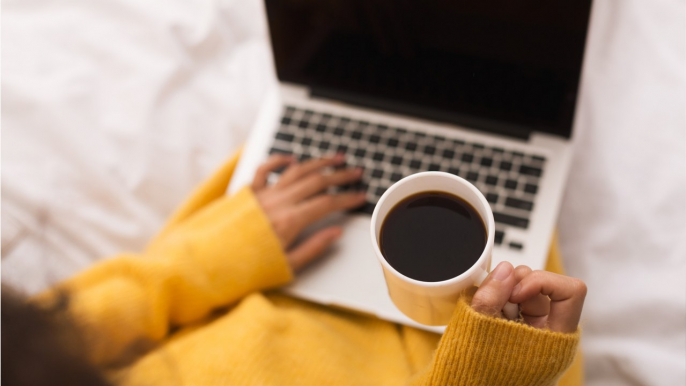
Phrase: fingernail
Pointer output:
(335, 234)
(358, 171)
(516, 290)
(502, 271)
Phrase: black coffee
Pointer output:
(432, 236)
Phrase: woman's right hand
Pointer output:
(546, 300)
(299, 198)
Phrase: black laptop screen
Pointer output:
(501, 65)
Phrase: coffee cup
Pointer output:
(432, 302)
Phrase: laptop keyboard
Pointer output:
(508, 179)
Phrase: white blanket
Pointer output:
(113, 110)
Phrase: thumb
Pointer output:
(495, 291)
(312, 247)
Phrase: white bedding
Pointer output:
(113, 110)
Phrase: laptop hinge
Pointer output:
(509, 130)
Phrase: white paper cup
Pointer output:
(432, 303)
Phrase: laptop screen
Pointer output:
(499, 65)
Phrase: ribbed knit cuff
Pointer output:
(480, 350)
(231, 243)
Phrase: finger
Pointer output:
(320, 206)
(272, 163)
(297, 171)
(535, 310)
(312, 247)
(317, 182)
(494, 292)
(566, 297)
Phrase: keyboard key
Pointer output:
(530, 170)
(517, 246)
(519, 204)
(531, 188)
(506, 166)
(449, 154)
(378, 156)
(538, 158)
(276, 150)
(326, 117)
(374, 138)
(458, 142)
(411, 146)
(491, 180)
(492, 198)
(286, 121)
(356, 134)
(324, 145)
(511, 184)
(380, 190)
(306, 141)
(517, 154)
(472, 176)
(377, 173)
(477, 146)
(499, 235)
(285, 137)
(342, 148)
(507, 219)
(415, 164)
(303, 124)
(400, 130)
(338, 131)
(430, 150)
(367, 207)
(433, 167)
(321, 128)
(382, 127)
(454, 171)
(290, 110)
(392, 142)
(467, 157)
(487, 162)
(360, 153)
(396, 160)
(419, 135)
(498, 150)
(308, 113)
(439, 138)
(396, 177)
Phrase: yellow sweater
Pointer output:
(197, 308)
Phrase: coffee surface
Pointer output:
(432, 236)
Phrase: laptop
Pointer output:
(485, 91)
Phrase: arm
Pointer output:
(480, 347)
(214, 251)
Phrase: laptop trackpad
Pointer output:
(349, 275)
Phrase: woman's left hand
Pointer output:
(298, 199)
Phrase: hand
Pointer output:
(546, 299)
(297, 200)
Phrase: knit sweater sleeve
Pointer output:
(216, 250)
(481, 350)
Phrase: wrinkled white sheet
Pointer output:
(113, 110)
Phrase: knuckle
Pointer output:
(329, 201)
(320, 179)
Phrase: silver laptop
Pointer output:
(487, 93)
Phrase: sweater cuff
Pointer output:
(481, 350)
(229, 238)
